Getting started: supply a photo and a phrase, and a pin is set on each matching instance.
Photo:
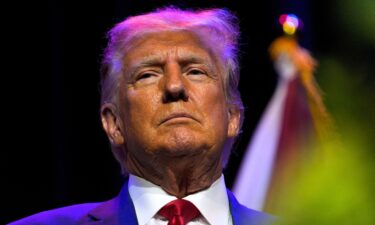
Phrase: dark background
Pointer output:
(56, 153)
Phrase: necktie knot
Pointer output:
(179, 212)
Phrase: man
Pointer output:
(171, 110)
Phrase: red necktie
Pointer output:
(179, 212)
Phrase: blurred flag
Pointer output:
(293, 120)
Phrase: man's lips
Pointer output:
(176, 116)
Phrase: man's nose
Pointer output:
(174, 84)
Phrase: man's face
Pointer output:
(171, 100)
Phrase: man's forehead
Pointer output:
(165, 36)
(156, 48)
(181, 56)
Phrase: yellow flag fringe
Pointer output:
(305, 65)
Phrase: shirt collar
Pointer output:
(149, 198)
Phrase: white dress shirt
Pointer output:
(149, 198)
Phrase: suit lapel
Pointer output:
(118, 211)
(244, 216)
(127, 211)
(234, 209)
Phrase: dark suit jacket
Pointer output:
(120, 211)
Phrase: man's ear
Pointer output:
(234, 116)
(111, 123)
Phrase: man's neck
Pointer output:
(179, 176)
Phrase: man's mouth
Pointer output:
(179, 116)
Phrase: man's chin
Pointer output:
(178, 144)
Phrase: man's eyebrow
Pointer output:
(152, 60)
(189, 59)
(157, 61)
(186, 59)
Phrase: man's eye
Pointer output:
(196, 72)
(145, 76)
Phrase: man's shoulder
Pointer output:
(254, 217)
(118, 210)
(244, 216)
(61, 216)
